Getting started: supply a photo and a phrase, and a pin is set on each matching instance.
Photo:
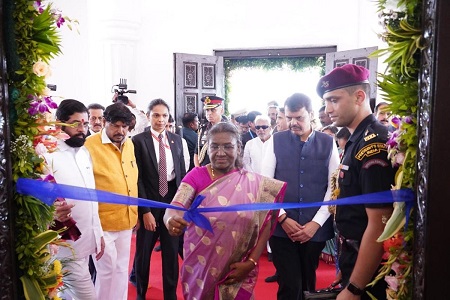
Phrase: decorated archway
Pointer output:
(32, 40)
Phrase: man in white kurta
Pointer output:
(253, 151)
(71, 165)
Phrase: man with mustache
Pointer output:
(213, 107)
(95, 118)
(305, 159)
(71, 165)
(115, 171)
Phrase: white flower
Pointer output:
(40, 68)
(46, 92)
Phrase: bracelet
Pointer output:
(282, 221)
(253, 261)
(352, 288)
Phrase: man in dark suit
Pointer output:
(149, 145)
(190, 127)
(95, 118)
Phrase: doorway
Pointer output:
(255, 77)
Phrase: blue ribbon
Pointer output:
(47, 192)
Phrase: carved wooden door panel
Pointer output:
(196, 76)
(357, 57)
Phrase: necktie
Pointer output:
(162, 168)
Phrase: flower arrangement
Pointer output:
(399, 86)
(32, 43)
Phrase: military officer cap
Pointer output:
(341, 77)
(211, 102)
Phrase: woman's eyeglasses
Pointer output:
(261, 127)
(225, 148)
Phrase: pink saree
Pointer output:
(207, 256)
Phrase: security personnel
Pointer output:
(364, 169)
(213, 107)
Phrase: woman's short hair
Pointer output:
(224, 127)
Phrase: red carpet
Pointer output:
(263, 290)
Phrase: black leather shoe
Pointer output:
(132, 278)
(272, 278)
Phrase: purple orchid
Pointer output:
(60, 21)
(56, 14)
(392, 142)
(40, 106)
(38, 6)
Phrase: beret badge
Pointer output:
(207, 100)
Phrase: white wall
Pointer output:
(136, 39)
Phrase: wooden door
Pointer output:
(196, 76)
(357, 57)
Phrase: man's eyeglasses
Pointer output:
(261, 127)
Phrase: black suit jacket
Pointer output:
(148, 180)
(191, 138)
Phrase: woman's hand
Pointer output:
(239, 271)
(176, 225)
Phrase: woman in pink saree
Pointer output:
(223, 264)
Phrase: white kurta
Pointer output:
(253, 155)
(73, 166)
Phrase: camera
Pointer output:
(122, 89)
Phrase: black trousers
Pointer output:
(145, 242)
(296, 266)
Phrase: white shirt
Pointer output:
(268, 169)
(141, 121)
(253, 155)
(73, 166)
(187, 157)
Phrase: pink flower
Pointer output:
(392, 281)
(399, 158)
(396, 268)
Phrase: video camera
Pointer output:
(121, 90)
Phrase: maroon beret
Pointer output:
(342, 77)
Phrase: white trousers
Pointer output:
(77, 281)
(112, 268)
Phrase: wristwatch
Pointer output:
(354, 289)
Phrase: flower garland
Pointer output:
(399, 86)
(31, 44)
